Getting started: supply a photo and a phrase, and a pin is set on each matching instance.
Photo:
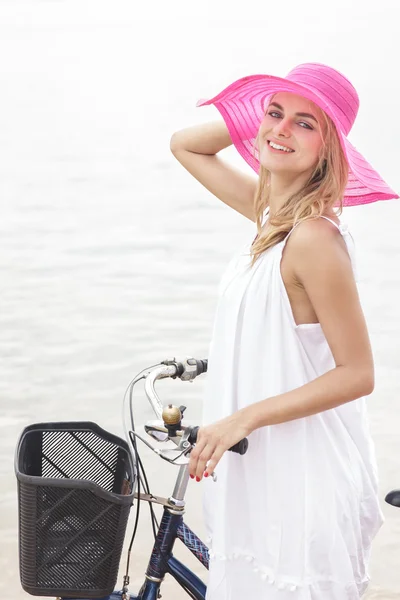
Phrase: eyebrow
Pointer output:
(299, 114)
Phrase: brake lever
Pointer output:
(184, 447)
(186, 444)
(136, 435)
(163, 453)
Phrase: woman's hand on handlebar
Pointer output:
(213, 440)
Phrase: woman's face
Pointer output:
(290, 138)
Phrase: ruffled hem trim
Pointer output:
(267, 574)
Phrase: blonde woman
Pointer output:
(290, 360)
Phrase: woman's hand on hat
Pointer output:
(213, 441)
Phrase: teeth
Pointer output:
(277, 147)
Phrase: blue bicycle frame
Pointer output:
(171, 526)
(162, 560)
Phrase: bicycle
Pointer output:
(167, 427)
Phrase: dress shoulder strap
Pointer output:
(293, 228)
(342, 227)
(330, 220)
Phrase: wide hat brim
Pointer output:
(242, 106)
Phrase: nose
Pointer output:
(282, 128)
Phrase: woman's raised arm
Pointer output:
(196, 149)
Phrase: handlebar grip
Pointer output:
(239, 448)
(203, 365)
(181, 371)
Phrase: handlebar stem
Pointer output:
(181, 484)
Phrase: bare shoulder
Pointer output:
(312, 234)
(312, 231)
(316, 244)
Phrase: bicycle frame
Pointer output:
(162, 560)
(171, 526)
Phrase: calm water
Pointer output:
(110, 254)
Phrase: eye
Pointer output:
(305, 125)
(275, 114)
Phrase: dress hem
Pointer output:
(283, 582)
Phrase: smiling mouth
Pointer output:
(279, 147)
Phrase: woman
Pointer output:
(290, 360)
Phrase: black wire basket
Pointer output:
(76, 485)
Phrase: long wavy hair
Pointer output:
(324, 189)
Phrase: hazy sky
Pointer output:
(151, 61)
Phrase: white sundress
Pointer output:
(292, 519)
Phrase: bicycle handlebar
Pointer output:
(239, 448)
(187, 371)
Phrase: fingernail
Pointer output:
(206, 474)
(197, 478)
(192, 476)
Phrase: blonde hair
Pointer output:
(322, 191)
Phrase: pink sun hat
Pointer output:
(242, 106)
